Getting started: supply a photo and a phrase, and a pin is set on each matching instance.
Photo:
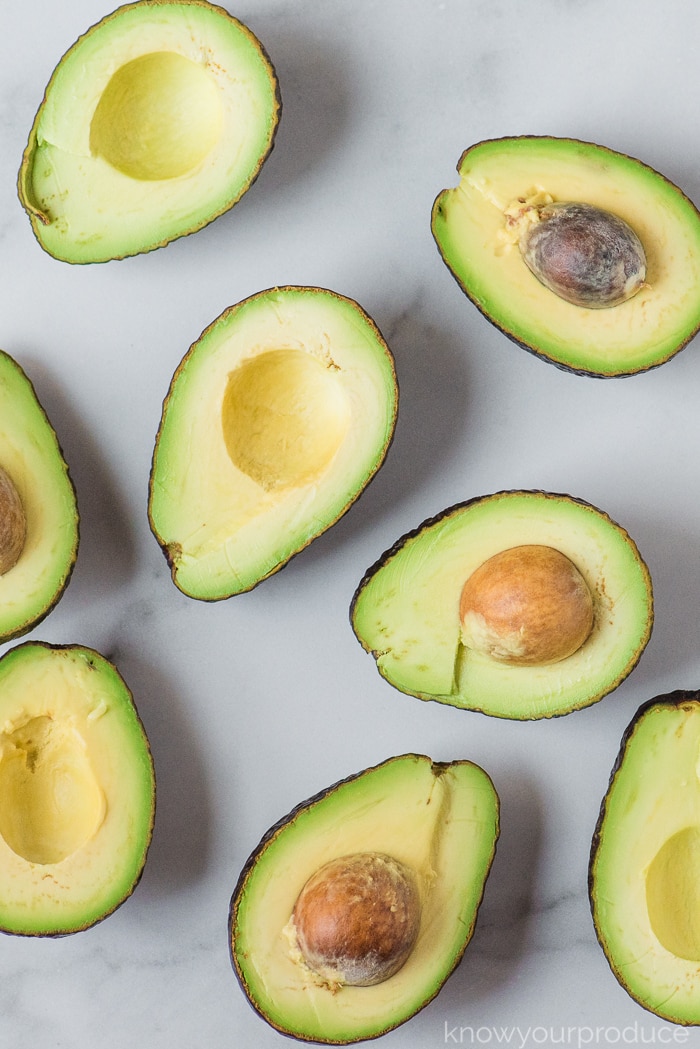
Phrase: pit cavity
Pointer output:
(51, 803)
(158, 118)
(285, 414)
(673, 894)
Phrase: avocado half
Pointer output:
(645, 860)
(406, 609)
(77, 790)
(276, 420)
(440, 820)
(156, 121)
(32, 462)
(474, 228)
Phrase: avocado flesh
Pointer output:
(155, 122)
(645, 860)
(468, 224)
(276, 420)
(440, 820)
(77, 790)
(31, 457)
(406, 609)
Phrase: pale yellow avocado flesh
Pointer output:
(156, 121)
(439, 820)
(77, 790)
(32, 458)
(276, 420)
(469, 225)
(645, 862)
(406, 609)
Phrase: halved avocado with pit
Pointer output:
(276, 420)
(438, 822)
(409, 609)
(39, 520)
(156, 121)
(504, 184)
(77, 790)
(645, 860)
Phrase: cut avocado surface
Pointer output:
(503, 182)
(406, 610)
(34, 479)
(645, 860)
(155, 122)
(77, 790)
(276, 420)
(438, 820)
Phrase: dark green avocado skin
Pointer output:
(676, 699)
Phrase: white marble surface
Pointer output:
(253, 704)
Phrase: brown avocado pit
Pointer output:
(356, 919)
(584, 254)
(527, 606)
(13, 524)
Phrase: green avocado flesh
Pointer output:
(645, 860)
(479, 243)
(155, 122)
(77, 790)
(276, 420)
(31, 457)
(439, 820)
(406, 611)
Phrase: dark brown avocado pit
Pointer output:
(528, 605)
(357, 918)
(13, 524)
(585, 255)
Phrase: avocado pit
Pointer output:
(528, 606)
(13, 524)
(584, 254)
(356, 919)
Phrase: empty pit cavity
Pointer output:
(50, 801)
(673, 894)
(285, 415)
(158, 118)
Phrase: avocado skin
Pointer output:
(33, 621)
(437, 210)
(92, 657)
(671, 700)
(279, 826)
(456, 507)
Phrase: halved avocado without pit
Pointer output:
(156, 121)
(522, 604)
(39, 520)
(599, 206)
(77, 790)
(427, 832)
(645, 860)
(276, 420)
